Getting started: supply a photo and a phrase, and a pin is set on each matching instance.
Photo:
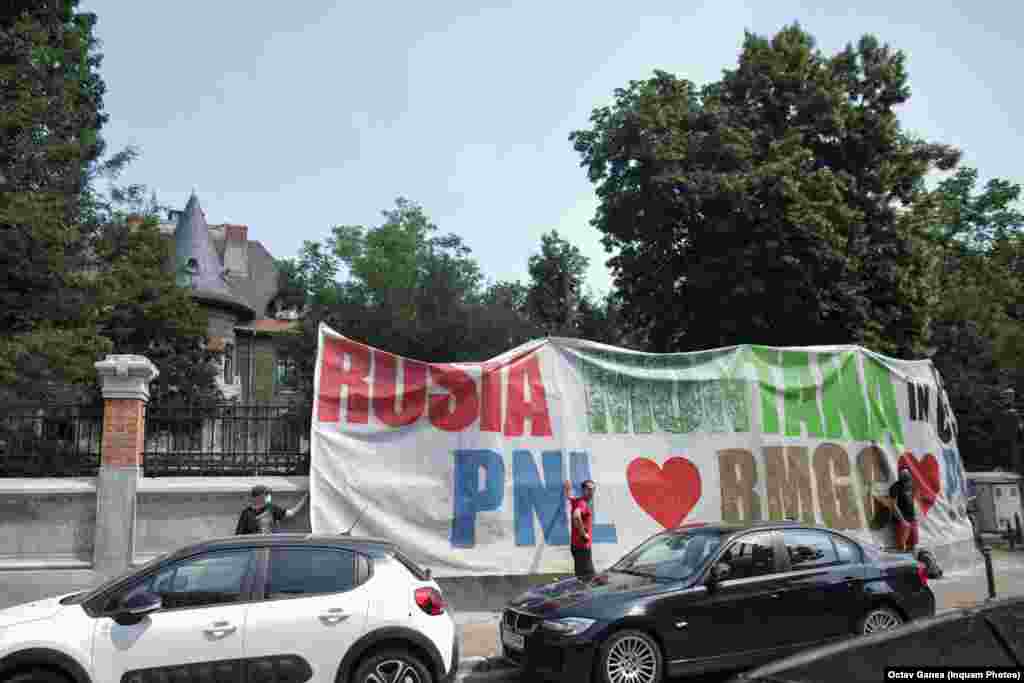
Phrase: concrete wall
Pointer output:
(47, 528)
(47, 522)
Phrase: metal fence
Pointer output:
(50, 440)
(227, 440)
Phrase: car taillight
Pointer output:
(922, 574)
(430, 601)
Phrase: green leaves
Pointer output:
(766, 208)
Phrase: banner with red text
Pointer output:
(462, 464)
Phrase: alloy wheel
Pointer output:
(631, 660)
(881, 620)
(393, 671)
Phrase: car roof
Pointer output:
(373, 546)
(732, 528)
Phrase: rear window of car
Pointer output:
(413, 568)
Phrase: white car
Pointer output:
(282, 608)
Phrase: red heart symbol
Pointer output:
(927, 483)
(666, 493)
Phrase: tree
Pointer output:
(143, 311)
(309, 280)
(775, 206)
(979, 318)
(556, 277)
(51, 114)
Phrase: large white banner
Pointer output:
(463, 464)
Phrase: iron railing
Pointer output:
(227, 440)
(50, 440)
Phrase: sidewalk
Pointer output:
(479, 630)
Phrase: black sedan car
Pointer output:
(712, 597)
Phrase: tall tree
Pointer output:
(143, 311)
(773, 206)
(556, 280)
(979, 318)
(51, 114)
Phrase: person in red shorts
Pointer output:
(581, 541)
(902, 493)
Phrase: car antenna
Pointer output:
(349, 532)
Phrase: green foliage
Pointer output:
(143, 311)
(403, 266)
(51, 112)
(726, 206)
(556, 277)
(979, 318)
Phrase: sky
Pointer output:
(294, 117)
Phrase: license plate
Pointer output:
(513, 640)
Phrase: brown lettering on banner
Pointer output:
(385, 390)
(838, 507)
(789, 487)
(737, 474)
(871, 467)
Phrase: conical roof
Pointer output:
(196, 263)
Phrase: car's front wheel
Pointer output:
(630, 657)
(879, 619)
(392, 666)
(37, 676)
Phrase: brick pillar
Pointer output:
(125, 381)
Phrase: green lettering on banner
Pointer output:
(736, 391)
(617, 394)
(641, 392)
(843, 397)
(667, 415)
(801, 394)
(764, 359)
(597, 411)
(883, 414)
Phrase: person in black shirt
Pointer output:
(261, 516)
(905, 511)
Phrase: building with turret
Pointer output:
(235, 280)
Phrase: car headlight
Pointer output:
(570, 626)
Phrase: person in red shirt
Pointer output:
(582, 529)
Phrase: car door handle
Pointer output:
(219, 629)
(334, 616)
(775, 596)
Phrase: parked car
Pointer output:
(283, 607)
(709, 598)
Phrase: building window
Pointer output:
(286, 374)
(229, 364)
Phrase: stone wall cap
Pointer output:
(25, 486)
(183, 485)
(127, 364)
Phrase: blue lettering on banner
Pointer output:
(546, 498)
(469, 498)
(954, 473)
(579, 463)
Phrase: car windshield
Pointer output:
(86, 595)
(673, 556)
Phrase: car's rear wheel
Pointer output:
(879, 619)
(392, 666)
(37, 676)
(630, 657)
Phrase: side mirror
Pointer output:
(719, 572)
(136, 607)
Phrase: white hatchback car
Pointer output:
(282, 608)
